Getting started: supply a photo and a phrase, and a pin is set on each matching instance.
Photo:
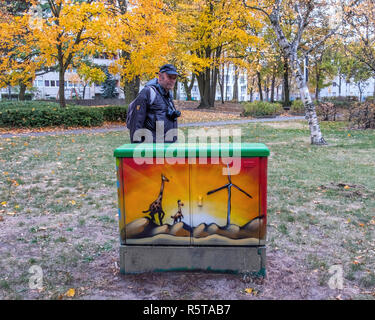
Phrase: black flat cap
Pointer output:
(169, 69)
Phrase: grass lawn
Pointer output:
(58, 210)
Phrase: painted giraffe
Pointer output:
(156, 206)
(178, 216)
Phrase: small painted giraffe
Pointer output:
(156, 206)
(178, 216)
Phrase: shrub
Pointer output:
(327, 111)
(362, 116)
(340, 102)
(43, 114)
(27, 104)
(115, 113)
(262, 108)
(297, 107)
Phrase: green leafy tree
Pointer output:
(109, 87)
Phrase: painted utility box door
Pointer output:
(192, 203)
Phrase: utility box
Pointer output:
(192, 207)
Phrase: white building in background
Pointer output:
(228, 88)
(349, 89)
(46, 87)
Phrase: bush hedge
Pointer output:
(297, 107)
(44, 114)
(340, 102)
(362, 116)
(262, 108)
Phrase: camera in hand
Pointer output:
(173, 114)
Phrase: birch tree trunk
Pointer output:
(310, 111)
(290, 51)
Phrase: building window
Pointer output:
(40, 83)
(46, 83)
(52, 83)
(57, 83)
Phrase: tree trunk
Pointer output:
(277, 92)
(317, 90)
(61, 85)
(360, 91)
(204, 88)
(207, 83)
(235, 85)
(286, 86)
(315, 133)
(175, 90)
(21, 95)
(221, 84)
(84, 91)
(273, 86)
(131, 89)
(252, 89)
(188, 87)
(226, 83)
(267, 89)
(260, 86)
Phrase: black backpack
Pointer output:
(130, 117)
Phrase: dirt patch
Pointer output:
(287, 278)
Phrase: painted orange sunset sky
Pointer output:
(142, 186)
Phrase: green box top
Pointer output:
(152, 150)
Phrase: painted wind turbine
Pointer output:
(229, 186)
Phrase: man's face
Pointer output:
(167, 81)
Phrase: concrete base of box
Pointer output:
(138, 259)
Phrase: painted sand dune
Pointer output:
(145, 231)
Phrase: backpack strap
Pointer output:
(152, 94)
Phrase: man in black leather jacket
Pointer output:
(161, 109)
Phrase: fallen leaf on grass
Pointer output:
(70, 293)
(11, 213)
(251, 291)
